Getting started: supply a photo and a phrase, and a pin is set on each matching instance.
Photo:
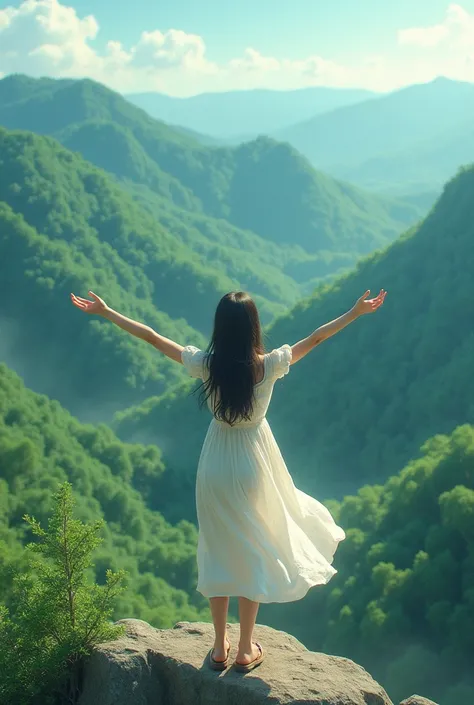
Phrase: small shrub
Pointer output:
(56, 616)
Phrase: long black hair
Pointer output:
(232, 359)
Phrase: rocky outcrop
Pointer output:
(417, 700)
(150, 666)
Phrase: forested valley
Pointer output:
(378, 423)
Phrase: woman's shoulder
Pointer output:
(279, 361)
(194, 360)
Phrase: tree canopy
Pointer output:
(41, 447)
(402, 602)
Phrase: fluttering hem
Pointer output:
(266, 599)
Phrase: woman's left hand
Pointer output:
(97, 306)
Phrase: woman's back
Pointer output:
(253, 522)
(276, 365)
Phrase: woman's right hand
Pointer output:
(97, 305)
(365, 305)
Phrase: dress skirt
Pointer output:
(259, 536)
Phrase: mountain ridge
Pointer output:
(227, 114)
(264, 187)
(345, 139)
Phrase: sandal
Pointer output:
(246, 667)
(218, 665)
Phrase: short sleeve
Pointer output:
(194, 360)
(281, 361)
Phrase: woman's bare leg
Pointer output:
(219, 609)
(248, 614)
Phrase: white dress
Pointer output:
(259, 536)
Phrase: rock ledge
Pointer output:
(150, 666)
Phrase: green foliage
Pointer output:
(56, 615)
(156, 247)
(41, 446)
(66, 226)
(402, 603)
(377, 391)
(263, 186)
(360, 406)
(186, 223)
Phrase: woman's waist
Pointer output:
(240, 425)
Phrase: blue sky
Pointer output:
(336, 28)
(185, 46)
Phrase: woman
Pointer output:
(260, 538)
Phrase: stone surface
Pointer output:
(169, 667)
(418, 700)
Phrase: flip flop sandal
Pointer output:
(218, 665)
(247, 667)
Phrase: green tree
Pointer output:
(56, 616)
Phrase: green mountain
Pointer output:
(252, 113)
(41, 446)
(263, 187)
(66, 226)
(144, 240)
(408, 139)
(373, 394)
(402, 603)
(359, 407)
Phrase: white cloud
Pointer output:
(456, 31)
(424, 36)
(45, 37)
(38, 22)
(171, 49)
(253, 61)
(446, 48)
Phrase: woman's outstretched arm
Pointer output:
(139, 330)
(361, 307)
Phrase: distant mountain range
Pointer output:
(402, 143)
(414, 138)
(420, 167)
(241, 114)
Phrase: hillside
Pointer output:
(361, 405)
(394, 130)
(66, 226)
(402, 603)
(372, 395)
(251, 113)
(264, 187)
(41, 446)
